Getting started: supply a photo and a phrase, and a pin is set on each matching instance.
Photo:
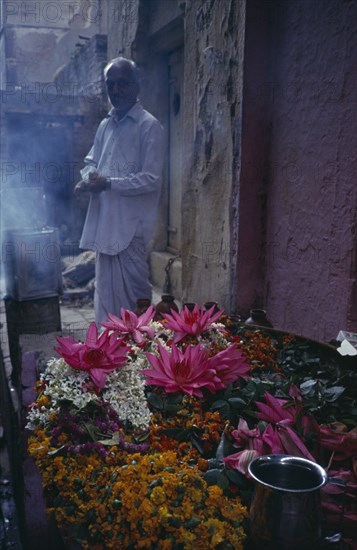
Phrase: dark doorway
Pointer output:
(175, 66)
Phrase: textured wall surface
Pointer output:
(214, 43)
(252, 188)
(42, 36)
(269, 186)
(122, 28)
(312, 191)
(213, 39)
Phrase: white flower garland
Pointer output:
(124, 389)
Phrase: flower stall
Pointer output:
(144, 432)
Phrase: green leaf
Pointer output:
(236, 477)
(53, 453)
(196, 442)
(222, 407)
(211, 476)
(114, 476)
(220, 448)
(78, 481)
(156, 483)
(115, 440)
(155, 400)
(192, 523)
(172, 432)
(174, 399)
(307, 385)
(237, 402)
(219, 404)
(175, 522)
(332, 394)
(92, 431)
(142, 437)
(222, 481)
(171, 408)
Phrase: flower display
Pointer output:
(99, 355)
(131, 325)
(192, 369)
(186, 371)
(278, 437)
(193, 322)
(144, 434)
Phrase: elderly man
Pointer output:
(123, 174)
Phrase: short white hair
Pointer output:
(117, 61)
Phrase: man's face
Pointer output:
(121, 86)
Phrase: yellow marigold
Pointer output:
(165, 544)
(43, 401)
(138, 501)
(158, 496)
(215, 493)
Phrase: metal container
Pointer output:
(286, 508)
(32, 264)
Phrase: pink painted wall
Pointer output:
(253, 175)
(310, 270)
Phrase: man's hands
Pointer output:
(96, 184)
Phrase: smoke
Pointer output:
(36, 180)
(22, 208)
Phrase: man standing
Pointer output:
(123, 174)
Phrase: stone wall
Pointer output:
(82, 85)
(122, 28)
(42, 36)
(213, 40)
(214, 50)
(83, 75)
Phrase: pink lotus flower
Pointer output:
(190, 323)
(240, 461)
(274, 440)
(177, 371)
(292, 443)
(132, 325)
(229, 364)
(254, 444)
(275, 410)
(98, 355)
(247, 438)
(279, 437)
(283, 417)
(344, 443)
(192, 369)
(271, 441)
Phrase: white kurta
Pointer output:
(120, 220)
(130, 152)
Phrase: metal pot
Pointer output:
(286, 509)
